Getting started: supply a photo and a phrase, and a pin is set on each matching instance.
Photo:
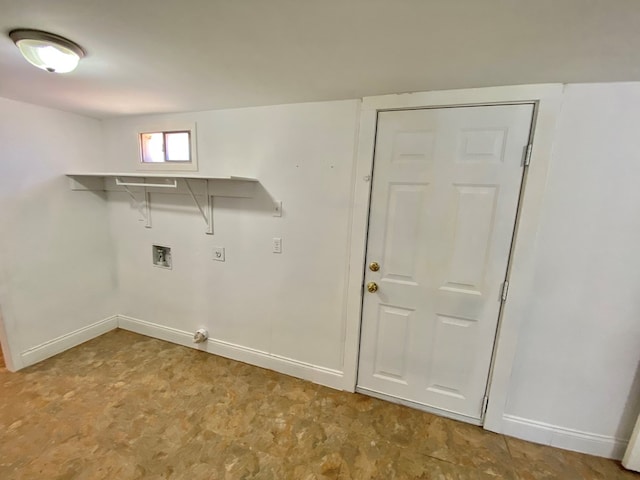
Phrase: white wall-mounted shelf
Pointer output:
(143, 184)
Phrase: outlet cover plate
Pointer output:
(218, 254)
(277, 245)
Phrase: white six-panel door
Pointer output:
(445, 192)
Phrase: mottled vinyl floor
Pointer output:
(124, 406)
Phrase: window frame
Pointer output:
(168, 165)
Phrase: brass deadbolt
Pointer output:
(374, 266)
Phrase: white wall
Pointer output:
(286, 305)
(575, 381)
(56, 273)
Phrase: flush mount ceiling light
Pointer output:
(47, 51)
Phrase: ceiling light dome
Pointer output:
(47, 51)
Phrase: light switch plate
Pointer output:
(218, 254)
(277, 208)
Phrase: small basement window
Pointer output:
(157, 147)
(168, 149)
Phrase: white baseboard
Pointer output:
(531, 430)
(67, 341)
(566, 438)
(314, 373)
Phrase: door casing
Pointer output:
(547, 99)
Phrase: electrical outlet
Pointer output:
(218, 254)
(277, 245)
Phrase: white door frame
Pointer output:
(631, 460)
(12, 360)
(548, 100)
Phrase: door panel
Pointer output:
(400, 250)
(445, 192)
(392, 341)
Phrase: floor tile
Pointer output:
(125, 406)
(540, 462)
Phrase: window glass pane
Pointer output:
(178, 146)
(152, 147)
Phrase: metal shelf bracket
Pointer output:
(143, 207)
(207, 214)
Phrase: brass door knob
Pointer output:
(372, 287)
(374, 266)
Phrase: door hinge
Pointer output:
(505, 290)
(485, 404)
(527, 155)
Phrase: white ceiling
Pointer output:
(147, 56)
